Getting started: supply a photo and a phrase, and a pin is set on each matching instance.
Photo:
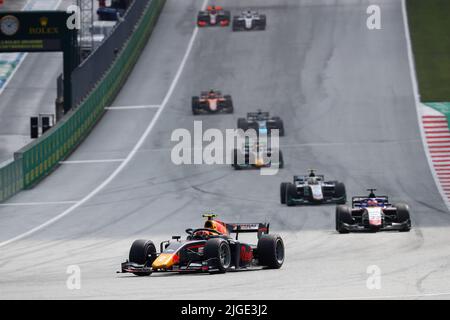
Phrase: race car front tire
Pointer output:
(229, 104)
(340, 192)
(236, 165)
(142, 252)
(195, 105)
(343, 215)
(291, 192)
(218, 254)
(283, 187)
(403, 215)
(242, 124)
(270, 251)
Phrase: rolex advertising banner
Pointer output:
(33, 31)
(38, 31)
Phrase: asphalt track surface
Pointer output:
(345, 95)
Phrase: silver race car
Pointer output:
(249, 20)
(312, 189)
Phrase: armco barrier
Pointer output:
(11, 179)
(86, 76)
(38, 159)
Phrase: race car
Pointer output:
(208, 249)
(312, 189)
(213, 16)
(262, 122)
(256, 156)
(212, 102)
(249, 20)
(372, 213)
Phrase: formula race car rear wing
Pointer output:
(237, 228)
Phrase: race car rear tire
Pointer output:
(235, 164)
(270, 251)
(403, 215)
(242, 124)
(340, 192)
(281, 160)
(279, 125)
(283, 187)
(343, 215)
(142, 252)
(218, 253)
(291, 192)
(195, 105)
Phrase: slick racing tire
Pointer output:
(343, 215)
(403, 215)
(283, 187)
(340, 192)
(235, 164)
(242, 124)
(218, 254)
(195, 105)
(279, 125)
(142, 252)
(270, 250)
(263, 23)
(291, 192)
(229, 104)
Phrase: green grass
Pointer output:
(429, 23)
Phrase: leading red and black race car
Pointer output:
(212, 102)
(213, 16)
(208, 249)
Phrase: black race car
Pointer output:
(372, 213)
(208, 249)
(212, 102)
(312, 189)
(262, 122)
(249, 20)
(256, 156)
(214, 16)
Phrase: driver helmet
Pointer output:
(203, 233)
(372, 203)
(211, 92)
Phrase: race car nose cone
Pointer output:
(164, 261)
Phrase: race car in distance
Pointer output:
(213, 16)
(212, 102)
(312, 189)
(249, 20)
(261, 122)
(372, 213)
(256, 156)
(208, 249)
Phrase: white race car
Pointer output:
(249, 20)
